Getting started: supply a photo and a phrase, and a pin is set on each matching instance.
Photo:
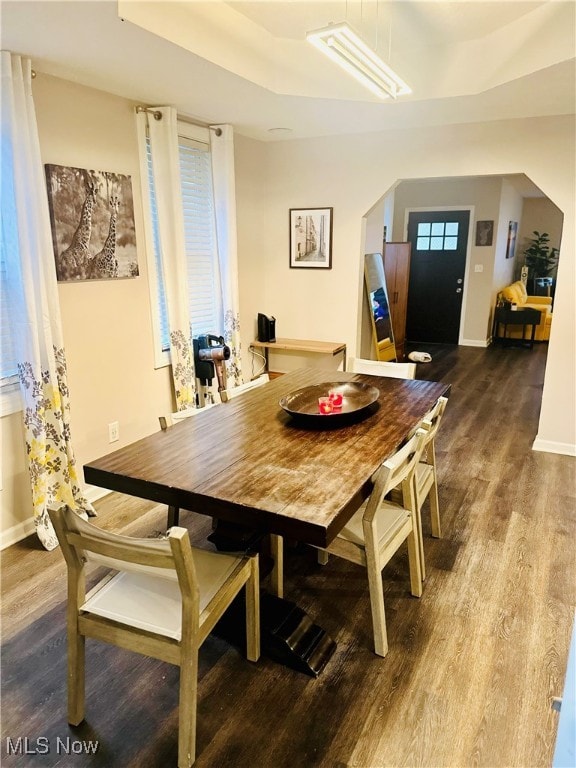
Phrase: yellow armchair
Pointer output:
(516, 294)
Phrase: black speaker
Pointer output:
(266, 328)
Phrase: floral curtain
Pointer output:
(31, 283)
(163, 136)
(223, 179)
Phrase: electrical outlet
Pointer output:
(113, 432)
(478, 268)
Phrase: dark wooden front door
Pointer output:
(437, 265)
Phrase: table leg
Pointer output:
(173, 516)
(532, 336)
(277, 574)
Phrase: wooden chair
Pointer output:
(228, 394)
(425, 479)
(379, 527)
(379, 368)
(161, 599)
(165, 422)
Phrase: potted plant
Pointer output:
(539, 257)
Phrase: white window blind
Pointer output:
(8, 367)
(199, 237)
(9, 391)
(160, 293)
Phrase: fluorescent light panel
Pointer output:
(341, 44)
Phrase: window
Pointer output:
(200, 241)
(9, 389)
(437, 236)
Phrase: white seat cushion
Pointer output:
(388, 519)
(152, 601)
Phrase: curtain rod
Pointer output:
(158, 116)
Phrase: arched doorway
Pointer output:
(493, 201)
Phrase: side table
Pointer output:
(523, 316)
(302, 345)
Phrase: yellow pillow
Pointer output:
(511, 294)
(515, 293)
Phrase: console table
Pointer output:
(302, 345)
(523, 316)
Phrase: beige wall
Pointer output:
(107, 325)
(351, 173)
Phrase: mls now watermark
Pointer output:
(23, 745)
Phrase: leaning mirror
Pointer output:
(377, 296)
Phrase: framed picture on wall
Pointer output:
(311, 238)
(511, 242)
(92, 220)
(484, 232)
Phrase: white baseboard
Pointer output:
(22, 530)
(17, 533)
(474, 343)
(549, 446)
(93, 493)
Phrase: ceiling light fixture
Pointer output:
(341, 44)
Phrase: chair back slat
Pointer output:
(83, 542)
(228, 394)
(187, 413)
(395, 471)
(431, 422)
(121, 552)
(379, 368)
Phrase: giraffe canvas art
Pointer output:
(92, 218)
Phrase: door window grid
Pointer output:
(437, 236)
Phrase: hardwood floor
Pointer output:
(472, 665)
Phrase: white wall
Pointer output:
(375, 226)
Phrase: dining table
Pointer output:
(262, 462)
(250, 461)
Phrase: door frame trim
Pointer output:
(471, 209)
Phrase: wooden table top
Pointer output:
(303, 345)
(247, 460)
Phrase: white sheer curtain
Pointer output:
(223, 179)
(31, 282)
(163, 136)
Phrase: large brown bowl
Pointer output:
(302, 404)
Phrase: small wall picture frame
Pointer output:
(484, 233)
(511, 241)
(310, 238)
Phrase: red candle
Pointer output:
(336, 398)
(324, 405)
